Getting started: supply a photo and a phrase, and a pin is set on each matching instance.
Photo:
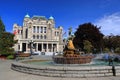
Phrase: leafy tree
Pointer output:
(87, 46)
(106, 50)
(117, 50)
(112, 42)
(88, 32)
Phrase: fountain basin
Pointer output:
(63, 71)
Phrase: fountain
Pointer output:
(72, 56)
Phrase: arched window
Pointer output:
(33, 36)
(37, 29)
(44, 29)
(57, 33)
(37, 36)
(26, 33)
(45, 37)
(41, 29)
(33, 29)
(41, 37)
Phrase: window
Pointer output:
(26, 33)
(45, 37)
(21, 31)
(44, 29)
(41, 29)
(37, 29)
(37, 36)
(33, 29)
(34, 46)
(57, 33)
(41, 37)
(33, 36)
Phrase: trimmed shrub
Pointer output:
(10, 57)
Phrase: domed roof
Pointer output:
(51, 17)
(27, 16)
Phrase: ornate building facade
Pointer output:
(41, 31)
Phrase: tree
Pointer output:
(2, 29)
(2, 26)
(112, 42)
(6, 41)
(87, 46)
(88, 32)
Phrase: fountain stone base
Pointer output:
(72, 60)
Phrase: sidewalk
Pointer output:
(7, 74)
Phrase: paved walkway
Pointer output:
(7, 74)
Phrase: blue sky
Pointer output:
(104, 13)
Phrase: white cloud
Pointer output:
(110, 24)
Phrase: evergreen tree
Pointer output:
(2, 26)
(2, 29)
(6, 41)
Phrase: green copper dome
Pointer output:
(51, 17)
(27, 16)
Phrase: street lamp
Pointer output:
(31, 47)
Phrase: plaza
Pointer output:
(6, 73)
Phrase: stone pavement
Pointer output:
(7, 74)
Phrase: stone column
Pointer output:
(57, 49)
(20, 46)
(39, 29)
(26, 47)
(42, 46)
(35, 29)
(46, 47)
(36, 46)
(52, 47)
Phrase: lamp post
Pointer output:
(53, 48)
(31, 46)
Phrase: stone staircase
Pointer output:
(66, 71)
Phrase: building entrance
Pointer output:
(23, 47)
(39, 47)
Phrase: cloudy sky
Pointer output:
(104, 13)
(110, 24)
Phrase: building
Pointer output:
(41, 31)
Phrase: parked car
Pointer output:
(36, 53)
(43, 53)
